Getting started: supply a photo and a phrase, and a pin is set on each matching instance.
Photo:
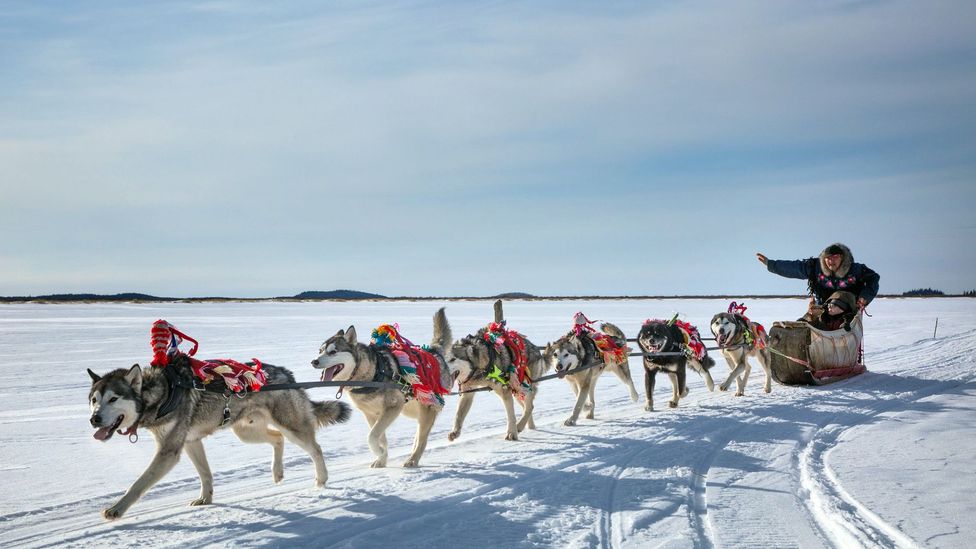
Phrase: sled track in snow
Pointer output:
(840, 517)
(612, 447)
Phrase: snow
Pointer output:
(883, 459)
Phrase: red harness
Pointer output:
(165, 341)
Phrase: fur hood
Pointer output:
(845, 264)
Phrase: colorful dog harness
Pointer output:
(419, 368)
(613, 352)
(517, 377)
(754, 334)
(165, 342)
(691, 343)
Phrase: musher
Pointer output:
(835, 270)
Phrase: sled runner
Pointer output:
(804, 355)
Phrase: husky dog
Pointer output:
(343, 358)
(576, 351)
(658, 336)
(732, 330)
(126, 399)
(473, 359)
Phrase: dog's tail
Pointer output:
(442, 331)
(611, 329)
(331, 412)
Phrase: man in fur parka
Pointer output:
(834, 270)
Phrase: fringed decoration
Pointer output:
(518, 379)
(612, 351)
(759, 337)
(419, 368)
(582, 325)
(165, 341)
(755, 334)
(236, 376)
(737, 308)
(694, 347)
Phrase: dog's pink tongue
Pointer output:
(328, 373)
(103, 433)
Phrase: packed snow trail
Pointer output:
(775, 470)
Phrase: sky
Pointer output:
(443, 148)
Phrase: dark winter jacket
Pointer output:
(821, 282)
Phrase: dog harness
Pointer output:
(498, 337)
(418, 367)
(238, 377)
(753, 333)
(691, 343)
(613, 352)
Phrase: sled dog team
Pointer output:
(166, 400)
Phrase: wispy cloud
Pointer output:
(356, 131)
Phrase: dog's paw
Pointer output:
(648, 407)
(589, 415)
(320, 483)
(277, 475)
(202, 501)
(767, 390)
(723, 387)
(685, 392)
(672, 404)
(453, 435)
(411, 464)
(114, 512)
(634, 397)
(378, 464)
(511, 436)
(569, 422)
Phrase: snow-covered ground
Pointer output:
(884, 459)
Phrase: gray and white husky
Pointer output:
(732, 330)
(343, 358)
(574, 351)
(126, 399)
(473, 359)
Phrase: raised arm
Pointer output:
(799, 268)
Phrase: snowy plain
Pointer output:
(885, 459)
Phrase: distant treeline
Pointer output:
(87, 297)
(357, 295)
(923, 292)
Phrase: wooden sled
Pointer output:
(804, 355)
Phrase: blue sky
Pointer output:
(446, 148)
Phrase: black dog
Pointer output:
(658, 336)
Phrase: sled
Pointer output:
(804, 355)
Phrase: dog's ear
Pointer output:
(134, 378)
(340, 333)
(351, 335)
(95, 377)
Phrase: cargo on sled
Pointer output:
(804, 355)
